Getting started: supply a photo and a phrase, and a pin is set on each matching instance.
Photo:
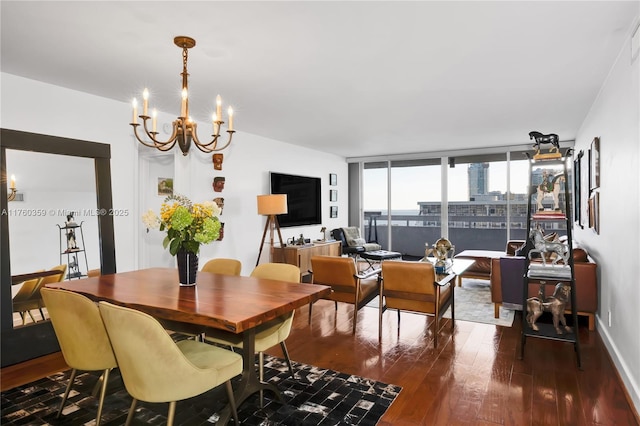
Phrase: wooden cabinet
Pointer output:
(300, 256)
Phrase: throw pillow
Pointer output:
(359, 241)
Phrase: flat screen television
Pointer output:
(304, 201)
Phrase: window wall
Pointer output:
(484, 197)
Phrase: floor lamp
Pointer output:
(271, 206)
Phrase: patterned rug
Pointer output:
(318, 397)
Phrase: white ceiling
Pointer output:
(352, 78)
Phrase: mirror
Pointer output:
(51, 189)
(22, 237)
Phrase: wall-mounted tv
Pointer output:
(304, 201)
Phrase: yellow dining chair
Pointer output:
(347, 285)
(154, 368)
(28, 302)
(412, 286)
(223, 266)
(270, 333)
(93, 273)
(83, 339)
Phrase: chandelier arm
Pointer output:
(204, 147)
(163, 146)
(207, 149)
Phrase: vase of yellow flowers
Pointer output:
(188, 225)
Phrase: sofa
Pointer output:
(513, 268)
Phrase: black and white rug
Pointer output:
(317, 397)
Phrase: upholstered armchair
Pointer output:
(347, 285)
(412, 286)
(352, 242)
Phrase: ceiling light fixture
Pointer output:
(184, 128)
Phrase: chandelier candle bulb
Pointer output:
(154, 121)
(216, 128)
(135, 111)
(219, 106)
(145, 102)
(183, 108)
(230, 112)
(13, 181)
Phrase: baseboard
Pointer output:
(631, 386)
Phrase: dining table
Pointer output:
(236, 304)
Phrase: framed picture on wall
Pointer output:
(165, 186)
(333, 211)
(333, 179)
(333, 195)
(594, 164)
(577, 189)
(594, 212)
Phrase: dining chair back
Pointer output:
(82, 337)
(272, 332)
(412, 286)
(347, 285)
(223, 266)
(155, 369)
(30, 299)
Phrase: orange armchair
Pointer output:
(412, 286)
(346, 284)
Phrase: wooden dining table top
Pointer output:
(232, 303)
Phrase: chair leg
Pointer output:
(261, 376)
(310, 309)
(41, 313)
(31, 316)
(103, 391)
(22, 315)
(232, 402)
(66, 392)
(132, 411)
(172, 413)
(285, 352)
(398, 323)
(355, 318)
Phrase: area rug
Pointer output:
(317, 397)
(473, 303)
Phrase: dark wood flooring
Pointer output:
(474, 377)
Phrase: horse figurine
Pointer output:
(549, 187)
(541, 139)
(542, 246)
(555, 304)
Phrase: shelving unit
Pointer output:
(72, 250)
(546, 272)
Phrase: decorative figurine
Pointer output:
(542, 246)
(549, 187)
(217, 161)
(551, 138)
(442, 250)
(220, 202)
(555, 304)
(218, 183)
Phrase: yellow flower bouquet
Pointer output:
(187, 224)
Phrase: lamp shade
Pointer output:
(272, 204)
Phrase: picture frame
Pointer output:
(333, 212)
(577, 189)
(333, 195)
(594, 212)
(165, 186)
(594, 164)
(333, 179)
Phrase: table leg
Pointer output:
(249, 382)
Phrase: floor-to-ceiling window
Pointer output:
(477, 201)
(484, 197)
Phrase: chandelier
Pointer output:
(184, 128)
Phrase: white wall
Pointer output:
(615, 118)
(32, 106)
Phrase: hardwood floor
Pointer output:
(474, 377)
